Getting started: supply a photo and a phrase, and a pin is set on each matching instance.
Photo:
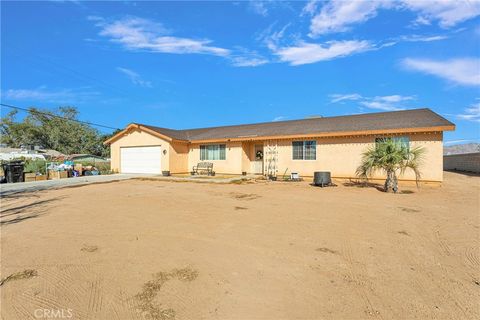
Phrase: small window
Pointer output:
(304, 150)
(405, 141)
(212, 152)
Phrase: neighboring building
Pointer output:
(86, 158)
(332, 144)
(36, 153)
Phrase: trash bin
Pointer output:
(13, 171)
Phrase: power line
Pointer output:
(56, 116)
(67, 71)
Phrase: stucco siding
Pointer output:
(342, 156)
(233, 158)
(137, 138)
(178, 157)
(339, 155)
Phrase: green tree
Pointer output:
(45, 128)
(391, 157)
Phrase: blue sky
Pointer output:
(197, 64)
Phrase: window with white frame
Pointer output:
(212, 152)
(304, 150)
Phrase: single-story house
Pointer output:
(332, 144)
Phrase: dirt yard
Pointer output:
(170, 250)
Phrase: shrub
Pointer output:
(35, 166)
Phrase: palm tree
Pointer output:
(391, 156)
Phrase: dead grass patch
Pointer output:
(326, 250)
(244, 196)
(88, 248)
(409, 209)
(151, 288)
(25, 274)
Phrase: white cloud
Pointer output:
(263, 7)
(142, 34)
(448, 13)
(271, 38)
(310, 8)
(385, 103)
(339, 16)
(422, 38)
(134, 77)
(248, 61)
(135, 33)
(393, 98)
(258, 7)
(471, 114)
(343, 97)
(304, 53)
(279, 118)
(463, 71)
(42, 94)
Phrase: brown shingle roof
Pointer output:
(407, 119)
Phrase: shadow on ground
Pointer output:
(19, 213)
(465, 173)
(363, 184)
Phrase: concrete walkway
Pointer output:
(11, 188)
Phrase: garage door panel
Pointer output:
(140, 159)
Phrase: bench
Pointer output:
(203, 167)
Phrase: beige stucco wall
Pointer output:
(246, 156)
(342, 156)
(178, 157)
(234, 157)
(339, 155)
(138, 138)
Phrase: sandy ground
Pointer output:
(165, 250)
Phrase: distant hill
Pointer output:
(462, 148)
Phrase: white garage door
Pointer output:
(140, 160)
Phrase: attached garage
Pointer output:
(145, 149)
(141, 159)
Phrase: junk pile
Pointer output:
(20, 171)
(69, 169)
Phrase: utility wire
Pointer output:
(56, 116)
(67, 71)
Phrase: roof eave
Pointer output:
(143, 128)
(331, 134)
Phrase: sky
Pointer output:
(198, 64)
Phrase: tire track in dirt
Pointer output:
(123, 307)
(95, 297)
(443, 244)
(472, 257)
(39, 301)
(60, 282)
(22, 313)
(415, 283)
(359, 285)
(440, 247)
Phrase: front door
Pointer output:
(258, 161)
